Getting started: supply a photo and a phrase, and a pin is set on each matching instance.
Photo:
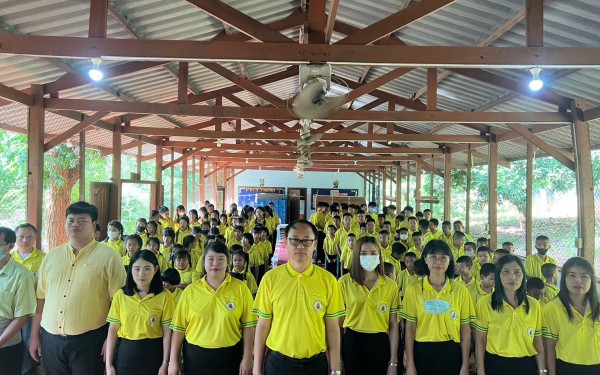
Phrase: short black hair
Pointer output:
(136, 238)
(188, 240)
(181, 254)
(508, 243)
(482, 249)
(482, 239)
(503, 252)
(26, 225)
(169, 232)
(439, 247)
(487, 269)
(549, 269)
(294, 225)
(171, 276)
(249, 237)
(424, 223)
(435, 221)
(535, 283)
(155, 285)
(398, 248)
(542, 238)
(153, 239)
(388, 268)
(466, 260)
(409, 254)
(82, 208)
(9, 235)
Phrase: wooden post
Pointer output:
(214, 177)
(585, 183)
(82, 166)
(383, 190)
(365, 185)
(407, 184)
(529, 199)
(159, 195)
(182, 82)
(432, 85)
(431, 179)
(35, 159)
(115, 190)
(184, 185)
(172, 208)
(418, 185)
(398, 187)
(201, 184)
(447, 184)
(193, 181)
(493, 192)
(138, 161)
(468, 200)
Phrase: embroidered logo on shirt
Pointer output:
(383, 308)
(318, 306)
(230, 305)
(530, 331)
(153, 319)
(454, 315)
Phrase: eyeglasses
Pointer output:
(297, 241)
(438, 258)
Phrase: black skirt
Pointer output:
(497, 365)
(565, 368)
(443, 357)
(365, 353)
(221, 361)
(139, 356)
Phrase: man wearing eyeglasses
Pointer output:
(298, 305)
(75, 284)
(17, 304)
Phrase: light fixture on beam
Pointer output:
(218, 142)
(536, 83)
(95, 73)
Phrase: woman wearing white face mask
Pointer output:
(370, 338)
(438, 311)
(114, 232)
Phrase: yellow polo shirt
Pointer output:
(181, 234)
(176, 295)
(533, 265)
(346, 253)
(318, 219)
(550, 293)
(298, 304)
(169, 223)
(578, 341)
(251, 282)
(397, 266)
(188, 275)
(144, 237)
(214, 319)
(405, 279)
(32, 262)
(369, 311)
(387, 250)
(341, 235)
(476, 292)
(417, 252)
(256, 256)
(17, 295)
(139, 318)
(77, 289)
(232, 242)
(329, 246)
(440, 327)
(118, 246)
(510, 332)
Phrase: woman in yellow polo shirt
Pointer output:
(139, 319)
(114, 239)
(438, 311)
(572, 322)
(370, 341)
(509, 325)
(214, 321)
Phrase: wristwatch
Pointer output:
(542, 371)
(336, 372)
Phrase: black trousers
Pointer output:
(320, 251)
(279, 364)
(497, 365)
(202, 361)
(438, 357)
(365, 353)
(10, 359)
(565, 368)
(332, 266)
(139, 356)
(77, 354)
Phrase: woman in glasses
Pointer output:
(370, 341)
(438, 311)
(509, 325)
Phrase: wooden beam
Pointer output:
(35, 159)
(115, 191)
(317, 21)
(394, 22)
(217, 169)
(534, 23)
(432, 85)
(98, 23)
(268, 113)
(377, 82)
(333, 8)
(292, 53)
(529, 244)
(78, 128)
(184, 182)
(468, 191)
(159, 195)
(15, 95)
(237, 19)
(396, 99)
(544, 146)
(182, 83)
(480, 155)
(590, 114)
(237, 173)
(82, 181)
(426, 165)
(201, 181)
(418, 181)
(447, 186)
(493, 193)
(585, 184)
(186, 155)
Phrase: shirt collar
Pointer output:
(427, 286)
(205, 283)
(7, 269)
(308, 272)
(84, 249)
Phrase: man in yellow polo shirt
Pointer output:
(17, 304)
(75, 284)
(298, 306)
(31, 258)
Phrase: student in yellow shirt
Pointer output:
(153, 245)
(164, 220)
(487, 283)
(550, 273)
(179, 213)
(408, 276)
(170, 279)
(140, 230)
(167, 246)
(436, 234)
(397, 252)
(427, 214)
(194, 218)
(139, 318)
(152, 229)
(370, 339)
(133, 244)
(534, 263)
(446, 232)
(181, 262)
(254, 254)
(189, 243)
(183, 230)
(459, 227)
(484, 256)
(509, 325)
(457, 243)
(155, 217)
(263, 253)
(438, 312)
(572, 322)
(241, 268)
(114, 233)
(390, 271)
(509, 246)
(214, 321)
(464, 265)
(384, 243)
(347, 253)
(418, 247)
(424, 229)
(403, 238)
(264, 236)
(536, 288)
(331, 253)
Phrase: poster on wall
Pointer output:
(333, 192)
(248, 195)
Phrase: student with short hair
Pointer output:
(534, 262)
(424, 229)
(459, 227)
(550, 273)
(484, 256)
(482, 241)
(464, 264)
(331, 253)
(17, 305)
(114, 238)
(241, 266)
(408, 276)
(418, 247)
(509, 325)
(427, 214)
(152, 229)
(140, 230)
(499, 253)
(347, 252)
(447, 232)
(438, 312)
(183, 229)
(572, 322)
(133, 244)
(536, 288)
(390, 271)
(298, 348)
(384, 243)
(509, 246)
(434, 223)
(139, 318)
(153, 244)
(486, 284)
(155, 217)
(164, 218)
(170, 279)
(370, 338)
(218, 340)
(397, 252)
(182, 261)
(456, 244)
(470, 250)
(168, 237)
(403, 237)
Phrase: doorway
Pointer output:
(297, 204)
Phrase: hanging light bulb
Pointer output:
(95, 73)
(218, 143)
(536, 83)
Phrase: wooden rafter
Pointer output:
(366, 88)
(86, 123)
(332, 14)
(317, 21)
(544, 146)
(534, 23)
(15, 95)
(98, 23)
